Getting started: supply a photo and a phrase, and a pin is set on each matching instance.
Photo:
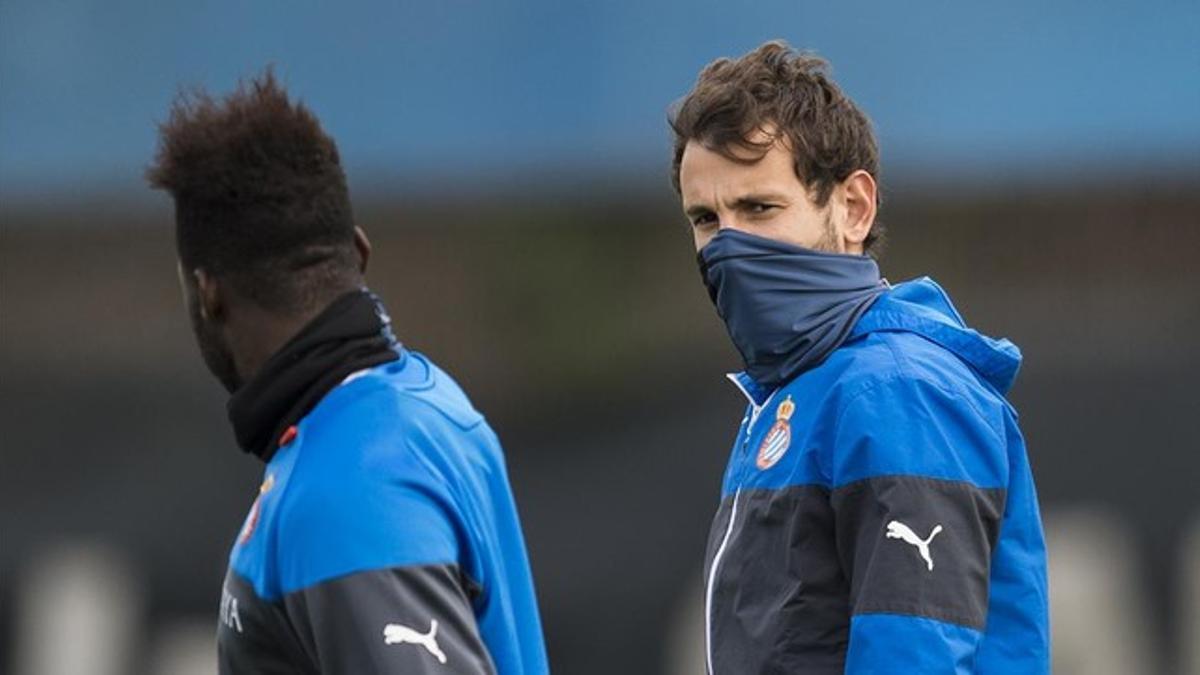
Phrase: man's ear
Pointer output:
(858, 194)
(364, 248)
(209, 295)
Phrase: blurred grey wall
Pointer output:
(582, 331)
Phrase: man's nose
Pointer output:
(728, 221)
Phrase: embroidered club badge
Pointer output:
(776, 442)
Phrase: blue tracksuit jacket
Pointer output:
(384, 540)
(878, 513)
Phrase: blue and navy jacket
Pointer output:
(384, 539)
(878, 512)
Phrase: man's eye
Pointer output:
(761, 208)
(704, 219)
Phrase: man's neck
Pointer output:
(266, 332)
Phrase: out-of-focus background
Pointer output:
(510, 161)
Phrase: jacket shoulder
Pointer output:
(372, 485)
(888, 360)
(897, 404)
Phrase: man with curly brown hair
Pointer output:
(878, 512)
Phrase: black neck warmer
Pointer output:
(352, 333)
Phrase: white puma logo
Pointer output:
(898, 530)
(394, 634)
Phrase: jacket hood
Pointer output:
(922, 307)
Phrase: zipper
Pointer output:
(755, 410)
(712, 580)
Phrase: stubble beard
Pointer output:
(828, 243)
(216, 354)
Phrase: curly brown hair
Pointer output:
(790, 94)
(260, 194)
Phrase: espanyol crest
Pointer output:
(776, 442)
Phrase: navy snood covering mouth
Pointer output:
(785, 307)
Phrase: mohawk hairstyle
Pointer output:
(776, 87)
(260, 194)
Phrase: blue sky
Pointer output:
(490, 90)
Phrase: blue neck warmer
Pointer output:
(785, 307)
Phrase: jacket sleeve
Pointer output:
(412, 619)
(919, 475)
(370, 575)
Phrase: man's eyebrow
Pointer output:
(741, 202)
(759, 198)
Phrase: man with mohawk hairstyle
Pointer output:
(384, 537)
